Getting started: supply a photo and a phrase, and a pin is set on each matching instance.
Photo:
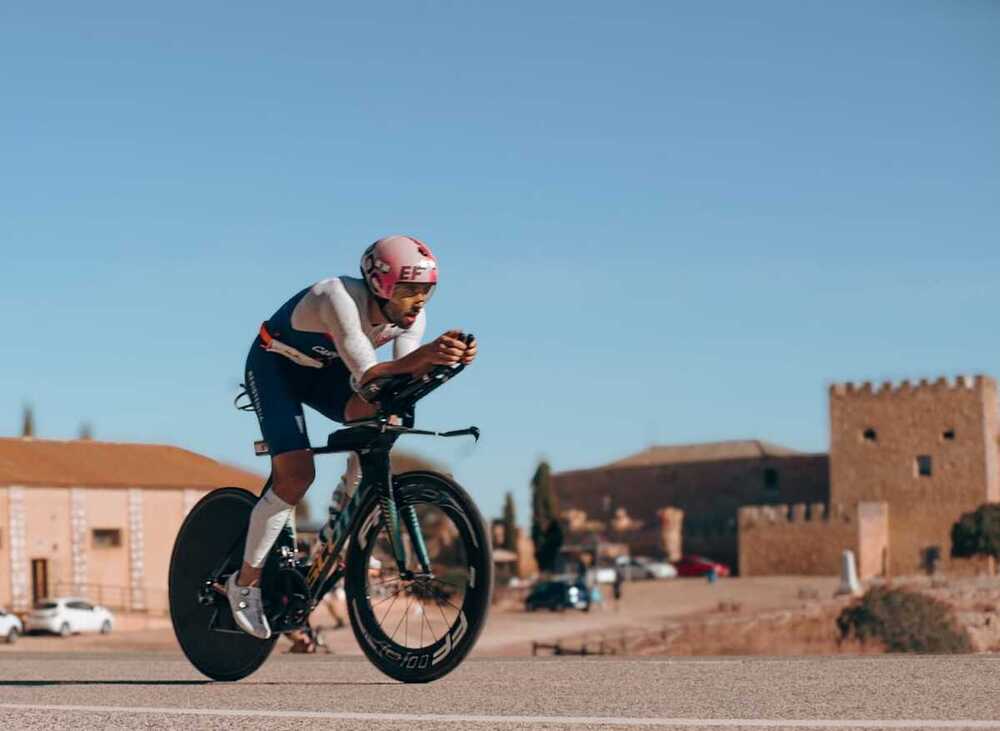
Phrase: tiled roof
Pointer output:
(49, 463)
(705, 452)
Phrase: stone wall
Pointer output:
(708, 493)
(808, 540)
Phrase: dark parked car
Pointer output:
(557, 596)
(699, 566)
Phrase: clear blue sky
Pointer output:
(665, 221)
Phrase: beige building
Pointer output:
(906, 461)
(97, 519)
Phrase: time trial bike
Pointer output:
(412, 549)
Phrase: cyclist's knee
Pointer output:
(293, 473)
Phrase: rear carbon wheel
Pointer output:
(419, 629)
(214, 530)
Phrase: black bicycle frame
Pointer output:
(372, 440)
(376, 474)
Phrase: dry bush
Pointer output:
(904, 621)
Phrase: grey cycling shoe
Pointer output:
(248, 610)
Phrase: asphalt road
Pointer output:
(110, 691)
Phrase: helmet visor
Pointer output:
(413, 290)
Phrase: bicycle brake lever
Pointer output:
(472, 431)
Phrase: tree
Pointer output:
(28, 421)
(546, 533)
(509, 523)
(977, 533)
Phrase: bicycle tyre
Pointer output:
(444, 655)
(209, 532)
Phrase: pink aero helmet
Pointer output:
(397, 259)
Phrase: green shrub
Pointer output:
(905, 621)
(977, 533)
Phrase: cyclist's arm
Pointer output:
(339, 315)
(447, 349)
(412, 363)
(410, 339)
(405, 358)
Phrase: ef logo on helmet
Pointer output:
(408, 273)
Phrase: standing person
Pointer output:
(318, 349)
(616, 587)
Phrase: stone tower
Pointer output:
(929, 450)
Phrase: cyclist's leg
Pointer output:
(333, 397)
(276, 387)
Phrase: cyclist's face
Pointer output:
(408, 299)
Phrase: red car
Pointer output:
(699, 566)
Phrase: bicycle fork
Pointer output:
(394, 517)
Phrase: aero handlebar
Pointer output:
(397, 395)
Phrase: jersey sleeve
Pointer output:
(340, 316)
(410, 339)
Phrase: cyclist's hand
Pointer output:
(470, 353)
(447, 349)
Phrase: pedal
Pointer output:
(286, 600)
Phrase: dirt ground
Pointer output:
(511, 631)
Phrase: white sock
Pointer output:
(267, 519)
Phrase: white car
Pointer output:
(68, 615)
(636, 568)
(661, 570)
(10, 627)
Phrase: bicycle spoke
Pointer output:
(447, 624)
(396, 579)
(457, 586)
(386, 598)
(393, 635)
(428, 623)
(394, 598)
(457, 609)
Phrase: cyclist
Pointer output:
(318, 349)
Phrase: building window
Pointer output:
(106, 537)
(870, 435)
(771, 480)
(924, 465)
(949, 435)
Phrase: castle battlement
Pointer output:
(958, 385)
(795, 513)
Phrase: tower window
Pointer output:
(870, 435)
(949, 435)
(925, 467)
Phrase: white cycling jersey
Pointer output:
(343, 311)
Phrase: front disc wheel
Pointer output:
(418, 625)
